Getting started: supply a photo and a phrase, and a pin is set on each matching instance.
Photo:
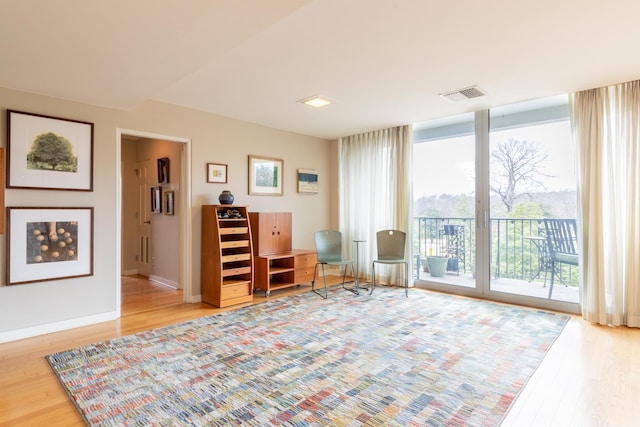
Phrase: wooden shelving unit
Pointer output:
(277, 265)
(284, 270)
(227, 256)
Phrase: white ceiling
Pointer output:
(383, 61)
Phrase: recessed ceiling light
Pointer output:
(316, 101)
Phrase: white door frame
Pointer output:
(183, 206)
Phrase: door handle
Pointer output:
(147, 222)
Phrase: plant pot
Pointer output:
(437, 265)
(425, 265)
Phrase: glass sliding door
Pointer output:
(444, 200)
(532, 181)
(486, 187)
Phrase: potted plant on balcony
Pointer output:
(437, 265)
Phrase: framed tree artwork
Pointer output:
(265, 176)
(49, 153)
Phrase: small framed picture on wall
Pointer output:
(169, 203)
(163, 170)
(308, 181)
(156, 199)
(217, 172)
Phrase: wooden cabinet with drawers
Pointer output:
(284, 270)
(227, 272)
(304, 263)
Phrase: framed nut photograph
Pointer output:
(48, 244)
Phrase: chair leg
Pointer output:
(313, 282)
(553, 273)
(373, 277)
(353, 289)
(406, 279)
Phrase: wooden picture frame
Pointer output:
(307, 181)
(217, 173)
(163, 170)
(33, 164)
(156, 199)
(2, 177)
(169, 202)
(265, 176)
(48, 243)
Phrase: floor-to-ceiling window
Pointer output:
(444, 200)
(484, 186)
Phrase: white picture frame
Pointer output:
(265, 176)
(216, 173)
(307, 181)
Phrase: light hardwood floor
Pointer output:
(590, 377)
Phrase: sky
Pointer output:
(447, 166)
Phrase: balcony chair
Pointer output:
(329, 252)
(391, 249)
(562, 246)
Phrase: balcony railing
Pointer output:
(518, 247)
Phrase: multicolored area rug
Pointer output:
(350, 360)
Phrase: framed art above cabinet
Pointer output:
(265, 176)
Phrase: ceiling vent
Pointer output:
(462, 94)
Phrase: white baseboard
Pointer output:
(130, 272)
(34, 331)
(163, 281)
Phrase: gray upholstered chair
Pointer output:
(391, 249)
(329, 252)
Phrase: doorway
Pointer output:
(180, 202)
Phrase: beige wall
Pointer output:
(46, 306)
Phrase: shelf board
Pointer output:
(235, 258)
(236, 271)
(234, 244)
(278, 270)
(234, 230)
(233, 282)
(279, 285)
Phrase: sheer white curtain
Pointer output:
(606, 127)
(375, 193)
